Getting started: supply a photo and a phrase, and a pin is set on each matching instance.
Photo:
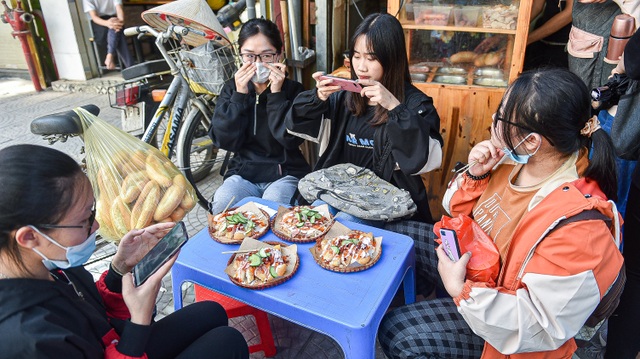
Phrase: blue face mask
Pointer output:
(522, 159)
(76, 255)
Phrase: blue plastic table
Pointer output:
(348, 307)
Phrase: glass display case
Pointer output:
(462, 53)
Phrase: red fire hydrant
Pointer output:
(18, 19)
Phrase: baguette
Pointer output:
(120, 216)
(169, 202)
(148, 208)
(132, 186)
(157, 172)
(188, 202)
(462, 57)
(178, 214)
(103, 213)
(108, 184)
(137, 216)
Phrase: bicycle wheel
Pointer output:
(198, 158)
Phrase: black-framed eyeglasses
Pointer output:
(497, 118)
(92, 220)
(266, 57)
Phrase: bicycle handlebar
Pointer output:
(177, 29)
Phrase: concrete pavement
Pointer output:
(20, 104)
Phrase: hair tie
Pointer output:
(590, 127)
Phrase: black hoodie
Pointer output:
(252, 127)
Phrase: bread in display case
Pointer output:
(462, 53)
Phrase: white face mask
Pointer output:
(262, 73)
(76, 255)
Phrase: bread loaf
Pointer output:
(169, 202)
(132, 186)
(145, 206)
(462, 57)
(157, 171)
(120, 216)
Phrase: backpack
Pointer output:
(610, 300)
(357, 191)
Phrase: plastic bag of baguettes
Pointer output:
(135, 184)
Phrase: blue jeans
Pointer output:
(280, 191)
(625, 168)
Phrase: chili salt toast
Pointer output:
(302, 224)
(265, 265)
(236, 224)
(345, 250)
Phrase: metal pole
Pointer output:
(294, 26)
(251, 9)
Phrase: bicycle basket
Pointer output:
(209, 66)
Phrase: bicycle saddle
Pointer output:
(61, 123)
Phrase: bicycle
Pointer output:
(181, 122)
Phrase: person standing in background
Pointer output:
(547, 41)
(624, 321)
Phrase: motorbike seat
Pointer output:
(145, 68)
(61, 123)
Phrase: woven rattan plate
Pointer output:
(278, 281)
(238, 241)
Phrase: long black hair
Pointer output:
(264, 27)
(556, 104)
(38, 186)
(385, 39)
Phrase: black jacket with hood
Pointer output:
(48, 319)
(408, 145)
(252, 127)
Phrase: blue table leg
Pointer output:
(409, 281)
(176, 283)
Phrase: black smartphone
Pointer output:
(450, 244)
(160, 253)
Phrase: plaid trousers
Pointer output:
(432, 328)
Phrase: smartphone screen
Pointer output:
(160, 253)
(450, 243)
(345, 84)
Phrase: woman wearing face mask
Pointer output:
(51, 307)
(532, 173)
(390, 127)
(249, 121)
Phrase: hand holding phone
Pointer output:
(345, 84)
(450, 244)
(160, 253)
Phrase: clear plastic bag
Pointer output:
(135, 185)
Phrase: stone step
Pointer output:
(98, 85)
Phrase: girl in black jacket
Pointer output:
(390, 127)
(51, 307)
(249, 121)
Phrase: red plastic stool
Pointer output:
(239, 309)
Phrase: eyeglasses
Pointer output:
(268, 57)
(92, 219)
(497, 118)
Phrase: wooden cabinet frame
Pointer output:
(465, 111)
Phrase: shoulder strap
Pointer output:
(611, 298)
(583, 216)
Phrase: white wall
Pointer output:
(11, 50)
(66, 32)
